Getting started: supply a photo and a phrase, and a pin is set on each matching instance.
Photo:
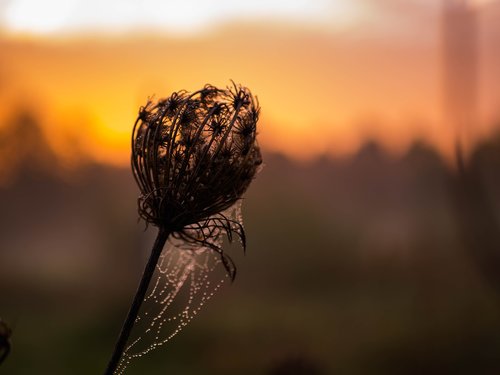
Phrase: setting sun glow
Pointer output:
(329, 74)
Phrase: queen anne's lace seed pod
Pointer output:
(193, 156)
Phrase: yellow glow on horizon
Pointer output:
(321, 92)
(314, 100)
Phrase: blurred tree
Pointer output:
(477, 223)
(24, 148)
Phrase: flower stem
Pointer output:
(161, 238)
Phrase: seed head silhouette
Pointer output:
(193, 156)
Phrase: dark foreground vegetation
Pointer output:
(366, 265)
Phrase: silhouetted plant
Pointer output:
(5, 333)
(193, 156)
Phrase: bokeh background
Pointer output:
(373, 230)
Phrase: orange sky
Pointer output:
(321, 91)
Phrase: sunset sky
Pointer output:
(328, 73)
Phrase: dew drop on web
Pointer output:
(187, 276)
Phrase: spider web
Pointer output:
(186, 278)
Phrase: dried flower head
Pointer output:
(193, 156)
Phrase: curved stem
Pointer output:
(161, 238)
